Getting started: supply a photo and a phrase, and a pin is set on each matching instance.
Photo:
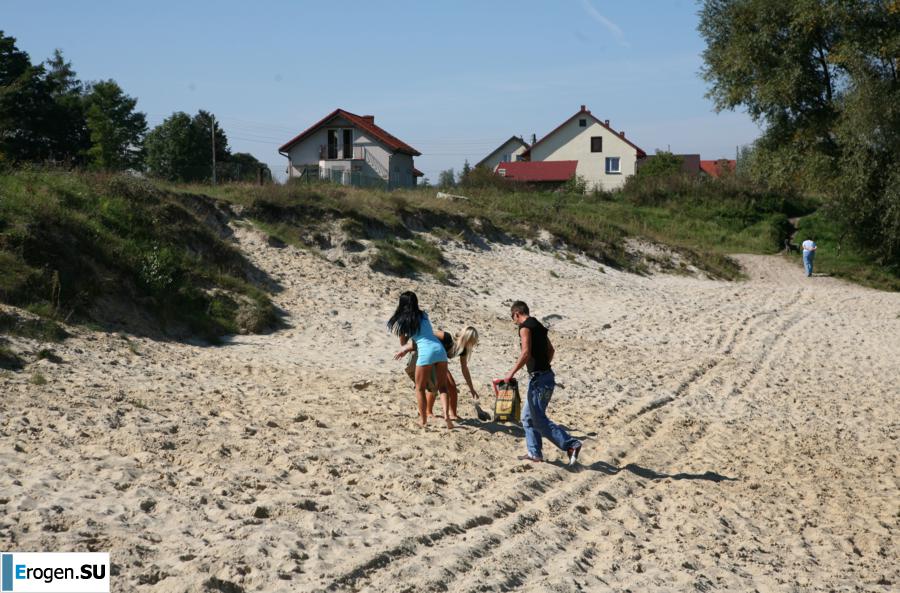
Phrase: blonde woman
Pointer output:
(461, 347)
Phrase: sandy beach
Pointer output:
(739, 436)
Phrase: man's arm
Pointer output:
(550, 351)
(525, 335)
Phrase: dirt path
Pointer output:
(739, 436)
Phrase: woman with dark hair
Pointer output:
(413, 326)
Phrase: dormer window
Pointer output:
(582, 123)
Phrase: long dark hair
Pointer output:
(408, 317)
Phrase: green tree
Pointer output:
(466, 171)
(180, 148)
(243, 166)
(68, 135)
(446, 179)
(662, 164)
(822, 77)
(116, 129)
(27, 107)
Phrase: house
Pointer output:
(718, 167)
(352, 150)
(690, 163)
(546, 174)
(604, 157)
(509, 151)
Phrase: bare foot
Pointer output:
(449, 423)
(422, 423)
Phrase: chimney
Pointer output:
(606, 121)
(369, 118)
(583, 108)
(622, 133)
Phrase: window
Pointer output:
(506, 158)
(597, 144)
(582, 123)
(612, 164)
(348, 144)
(501, 172)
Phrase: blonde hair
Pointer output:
(466, 341)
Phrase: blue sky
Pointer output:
(452, 78)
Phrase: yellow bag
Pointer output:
(507, 403)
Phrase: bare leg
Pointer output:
(422, 374)
(430, 397)
(442, 388)
(452, 395)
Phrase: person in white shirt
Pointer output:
(809, 255)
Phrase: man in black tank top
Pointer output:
(537, 354)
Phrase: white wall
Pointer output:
(306, 152)
(573, 143)
(511, 147)
(402, 170)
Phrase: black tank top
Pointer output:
(539, 359)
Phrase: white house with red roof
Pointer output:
(509, 151)
(582, 145)
(352, 150)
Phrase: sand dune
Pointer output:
(739, 437)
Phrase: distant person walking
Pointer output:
(809, 255)
(536, 355)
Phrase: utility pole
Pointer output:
(212, 127)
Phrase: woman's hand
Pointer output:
(401, 353)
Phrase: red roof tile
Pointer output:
(538, 170)
(418, 173)
(717, 167)
(586, 112)
(366, 123)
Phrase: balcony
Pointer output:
(338, 152)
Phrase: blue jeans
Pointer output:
(534, 416)
(808, 257)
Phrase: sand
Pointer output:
(738, 437)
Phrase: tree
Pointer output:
(68, 136)
(446, 179)
(180, 148)
(27, 107)
(243, 166)
(822, 77)
(464, 174)
(662, 164)
(116, 129)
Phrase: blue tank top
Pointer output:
(430, 350)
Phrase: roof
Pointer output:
(586, 112)
(418, 173)
(364, 123)
(717, 167)
(511, 138)
(538, 170)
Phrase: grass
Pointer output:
(409, 257)
(96, 248)
(9, 360)
(46, 330)
(38, 379)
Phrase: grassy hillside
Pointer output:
(153, 257)
(701, 220)
(121, 251)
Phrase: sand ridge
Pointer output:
(738, 436)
